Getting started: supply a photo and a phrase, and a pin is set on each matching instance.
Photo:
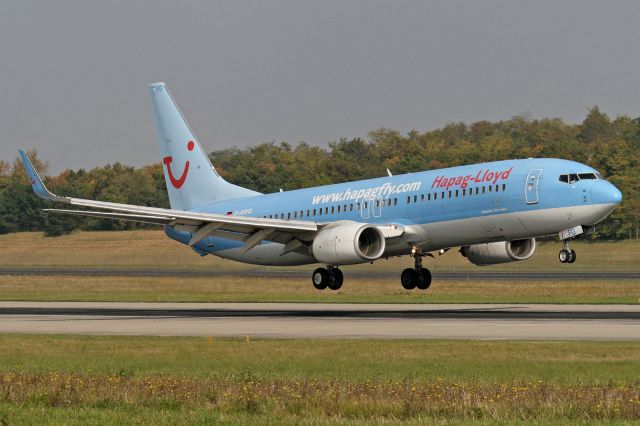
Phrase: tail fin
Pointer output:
(192, 181)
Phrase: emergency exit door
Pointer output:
(533, 186)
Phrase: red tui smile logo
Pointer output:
(177, 183)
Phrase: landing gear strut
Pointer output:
(418, 277)
(567, 255)
(329, 277)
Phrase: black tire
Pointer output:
(564, 256)
(335, 283)
(320, 278)
(409, 279)
(425, 279)
(573, 257)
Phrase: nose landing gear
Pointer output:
(418, 277)
(329, 277)
(566, 255)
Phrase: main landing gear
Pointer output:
(417, 277)
(328, 277)
(567, 255)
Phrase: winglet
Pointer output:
(36, 183)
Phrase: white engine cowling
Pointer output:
(348, 243)
(500, 252)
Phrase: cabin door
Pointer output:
(376, 204)
(364, 208)
(532, 186)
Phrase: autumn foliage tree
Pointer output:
(611, 146)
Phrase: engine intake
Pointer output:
(499, 252)
(348, 243)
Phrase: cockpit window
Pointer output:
(574, 177)
(587, 176)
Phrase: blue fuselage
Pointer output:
(456, 206)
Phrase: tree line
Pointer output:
(612, 146)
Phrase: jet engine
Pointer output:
(500, 252)
(348, 243)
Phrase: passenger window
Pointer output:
(350, 207)
(428, 197)
(442, 195)
(483, 189)
(408, 200)
(477, 190)
(333, 209)
(415, 198)
(314, 212)
(366, 205)
(288, 216)
(504, 187)
(295, 215)
(422, 197)
(338, 209)
(464, 192)
(456, 193)
(377, 203)
(489, 188)
(319, 212)
(449, 194)
(435, 195)
(326, 210)
(395, 201)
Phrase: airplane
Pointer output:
(493, 211)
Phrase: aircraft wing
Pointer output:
(251, 230)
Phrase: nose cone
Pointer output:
(603, 192)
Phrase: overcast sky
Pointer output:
(74, 74)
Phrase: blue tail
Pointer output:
(192, 181)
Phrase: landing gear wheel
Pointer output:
(320, 278)
(335, 281)
(573, 256)
(425, 279)
(409, 278)
(564, 256)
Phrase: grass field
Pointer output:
(199, 380)
(152, 249)
(174, 380)
(363, 283)
(229, 288)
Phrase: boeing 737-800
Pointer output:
(492, 211)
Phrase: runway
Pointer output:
(298, 320)
(298, 273)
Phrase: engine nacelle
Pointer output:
(500, 252)
(348, 243)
